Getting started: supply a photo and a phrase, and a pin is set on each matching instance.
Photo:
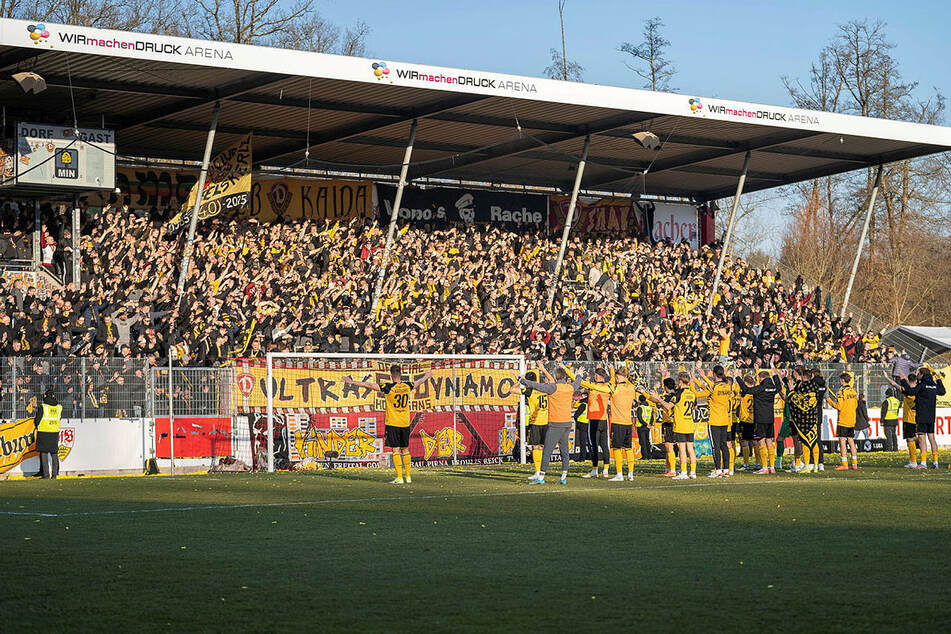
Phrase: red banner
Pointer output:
(605, 215)
(205, 437)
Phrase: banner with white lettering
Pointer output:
(443, 205)
(676, 222)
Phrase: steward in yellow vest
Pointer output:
(47, 419)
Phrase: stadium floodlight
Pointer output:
(647, 140)
(30, 82)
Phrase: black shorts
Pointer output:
(678, 437)
(536, 434)
(396, 436)
(844, 432)
(747, 431)
(909, 430)
(925, 428)
(763, 430)
(621, 437)
(667, 432)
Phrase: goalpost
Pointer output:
(470, 411)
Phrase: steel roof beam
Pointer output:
(15, 56)
(62, 81)
(913, 151)
(517, 146)
(223, 92)
(710, 154)
(362, 127)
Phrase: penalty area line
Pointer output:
(445, 496)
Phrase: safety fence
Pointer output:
(119, 413)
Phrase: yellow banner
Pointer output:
(227, 186)
(17, 443)
(294, 198)
(945, 375)
(479, 384)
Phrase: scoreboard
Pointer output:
(61, 156)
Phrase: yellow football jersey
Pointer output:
(397, 403)
(537, 408)
(746, 408)
(847, 402)
(683, 411)
(908, 410)
(720, 398)
(667, 415)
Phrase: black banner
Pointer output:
(445, 205)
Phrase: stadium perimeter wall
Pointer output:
(218, 414)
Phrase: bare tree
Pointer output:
(856, 73)
(354, 42)
(649, 59)
(558, 69)
(561, 67)
(317, 34)
(22, 10)
(152, 16)
(267, 22)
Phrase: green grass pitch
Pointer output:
(476, 549)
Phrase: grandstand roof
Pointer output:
(935, 339)
(158, 93)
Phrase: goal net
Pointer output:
(468, 412)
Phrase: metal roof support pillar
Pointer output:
(394, 214)
(193, 221)
(74, 234)
(729, 232)
(573, 202)
(858, 251)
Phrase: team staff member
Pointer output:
(846, 401)
(682, 406)
(909, 427)
(537, 421)
(560, 395)
(764, 419)
(926, 394)
(746, 429)
(47, 418)
(720, 392)
(597, 406)
(623, 396)
(396, 416)
(889, 418)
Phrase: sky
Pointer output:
(720, 48)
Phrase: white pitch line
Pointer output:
(546, 491)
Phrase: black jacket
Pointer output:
(926, 394)
(764, 398)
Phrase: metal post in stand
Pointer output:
(171, 417)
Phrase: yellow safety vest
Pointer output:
(50, 420)
(645, 413)
(891, 413)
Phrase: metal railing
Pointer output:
(86, 388)
(195, 391)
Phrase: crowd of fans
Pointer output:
(308, 286)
